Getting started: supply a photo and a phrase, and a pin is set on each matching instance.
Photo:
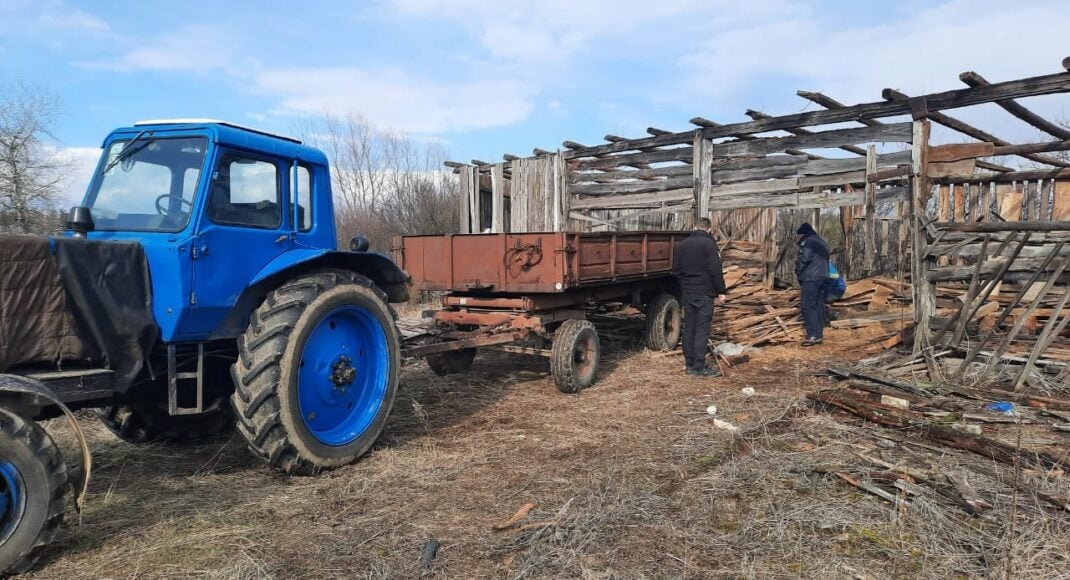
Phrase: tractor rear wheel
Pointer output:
(33, 492)
(663, 322)
(145, 422)
(317, 372)
(574, 355)
(451, 361)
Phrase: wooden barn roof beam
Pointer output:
(706, 123)
(758, 115)
(1042, 85)
(1013, 107)
(831, 103)
(893, 95)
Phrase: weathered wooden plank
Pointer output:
(467, 177)
(1061, 201)
(607, 176)
(497, 178)
(893, 133)
(702, 178)
(1029, 175)
(632, 186)
(1041, 85)
(1030, 226)
(758, 170)
(960, 167)
(959, 151)
(635, 200)
(789, 184)
(923, 294)
(871, 209)
(967, 129)
(1018, 110)
(645, 157)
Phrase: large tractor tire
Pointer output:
(317, 372)
(451, 361)
(33, 492)
(663, 322)
(144, 422)
(574, 356)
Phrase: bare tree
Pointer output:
(385, 183)
(30, 171)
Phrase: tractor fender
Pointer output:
(376, 267)
(34, 393)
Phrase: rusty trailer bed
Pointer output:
(541, 262)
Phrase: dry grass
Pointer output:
(629, 480)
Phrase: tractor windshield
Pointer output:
(148, 187)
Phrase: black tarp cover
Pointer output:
(108, 285)
(36, 325)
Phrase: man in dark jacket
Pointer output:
(812, 270)
(697, 268)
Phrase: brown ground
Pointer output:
(630, 479)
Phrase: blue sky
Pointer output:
(487, 77)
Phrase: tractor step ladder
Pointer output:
(173, 377)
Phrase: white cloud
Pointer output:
(51, 23)
(396, 100)
(192, 48)
(80, 162)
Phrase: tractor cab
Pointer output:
(213, 204)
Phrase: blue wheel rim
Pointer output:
(343, 376)
(12, 499)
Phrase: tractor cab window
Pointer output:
(245, 192)
(304, 198)
(146, 184)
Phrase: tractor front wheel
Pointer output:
(145, 422)
(33, 492)
(317, 372)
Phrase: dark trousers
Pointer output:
(813, 308)
(698, 314)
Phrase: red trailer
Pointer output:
(530, 293)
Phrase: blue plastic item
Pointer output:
(1005, 407)
(12, 504)
(344, 376)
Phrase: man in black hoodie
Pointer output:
(812, 269)
(697, 268)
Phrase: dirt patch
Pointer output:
(629, 479)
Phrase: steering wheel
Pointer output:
(162, 210)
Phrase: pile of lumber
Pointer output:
(1031, 434)
(755, 315)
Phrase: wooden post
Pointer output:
(871, 210)
(565, 187)
(555, 159)
(468, 174)
(497, 207)
(924, 292)
(702, 174)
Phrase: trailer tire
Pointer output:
(293, 398)
(451, 361)
(574, 355)
(33, 492)
(144, 422)
(663, 322)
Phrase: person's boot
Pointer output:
(812, 341)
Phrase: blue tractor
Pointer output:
(198, 287)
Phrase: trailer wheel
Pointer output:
(574, 355)
(144, 422)
(451, 361)
(317, 372)
(33, 492)
(663, 322)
